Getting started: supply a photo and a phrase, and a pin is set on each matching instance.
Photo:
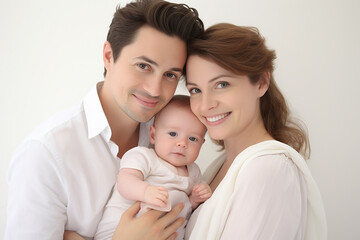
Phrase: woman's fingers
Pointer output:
(170, 231)
(167, 221)
(70, 235)
(150, 225)
(172, 237)
(132, 211)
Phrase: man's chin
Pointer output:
(142, 118)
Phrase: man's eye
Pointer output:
(173, 134)
(143, 66)
(171, 75)
(193, 139)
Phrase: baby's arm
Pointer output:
(200, 193)
(132, 186)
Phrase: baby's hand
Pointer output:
(156, 195)
(200, 193)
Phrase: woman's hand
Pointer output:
(70, 235)
(150, 225)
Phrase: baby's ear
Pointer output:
(264, 83)
(203, 141)
(152, 134)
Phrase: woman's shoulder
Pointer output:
(267, 168)
(274, 159)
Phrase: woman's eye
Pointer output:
(173, 134)
(222, 85)
(193, 139)
(194, 90)
(143, 66)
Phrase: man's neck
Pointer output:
(125, 131)
(125, 137)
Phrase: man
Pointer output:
(61, 176)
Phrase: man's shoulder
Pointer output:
(60, 123)
(62, 136)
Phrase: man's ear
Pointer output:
(152, 134)
(263, 84)
(107, 55)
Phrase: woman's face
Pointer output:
(228, 104)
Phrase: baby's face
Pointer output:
(177, 135)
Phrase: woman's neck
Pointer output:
(236, 144)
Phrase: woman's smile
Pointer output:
(216, 119)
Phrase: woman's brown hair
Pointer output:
(242, 50)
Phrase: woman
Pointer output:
(263, 189)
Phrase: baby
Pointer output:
(162, 176)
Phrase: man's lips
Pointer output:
(145, 101)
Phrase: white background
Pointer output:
(51, 56)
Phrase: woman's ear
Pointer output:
(107, 56)
(264, 83)
(152, 134)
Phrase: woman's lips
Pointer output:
(216, 119)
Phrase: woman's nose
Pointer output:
(208, 102)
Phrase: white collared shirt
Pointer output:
(61, 176)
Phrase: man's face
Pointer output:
(144, 77)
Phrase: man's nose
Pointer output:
(153, 85)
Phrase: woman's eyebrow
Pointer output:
(211, 80)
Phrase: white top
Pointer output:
(156, 172)
(61, 176)
(268, 193)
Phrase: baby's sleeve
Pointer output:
(195, 173)
(137, 158)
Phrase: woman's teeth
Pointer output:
(217, 118)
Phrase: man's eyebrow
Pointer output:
(176, 70)
(148, 60)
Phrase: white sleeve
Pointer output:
(270, 201)
(37, 197)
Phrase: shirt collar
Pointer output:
(95, 116)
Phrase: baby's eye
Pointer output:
(173, 134)
(222, 85)
(193, 139)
